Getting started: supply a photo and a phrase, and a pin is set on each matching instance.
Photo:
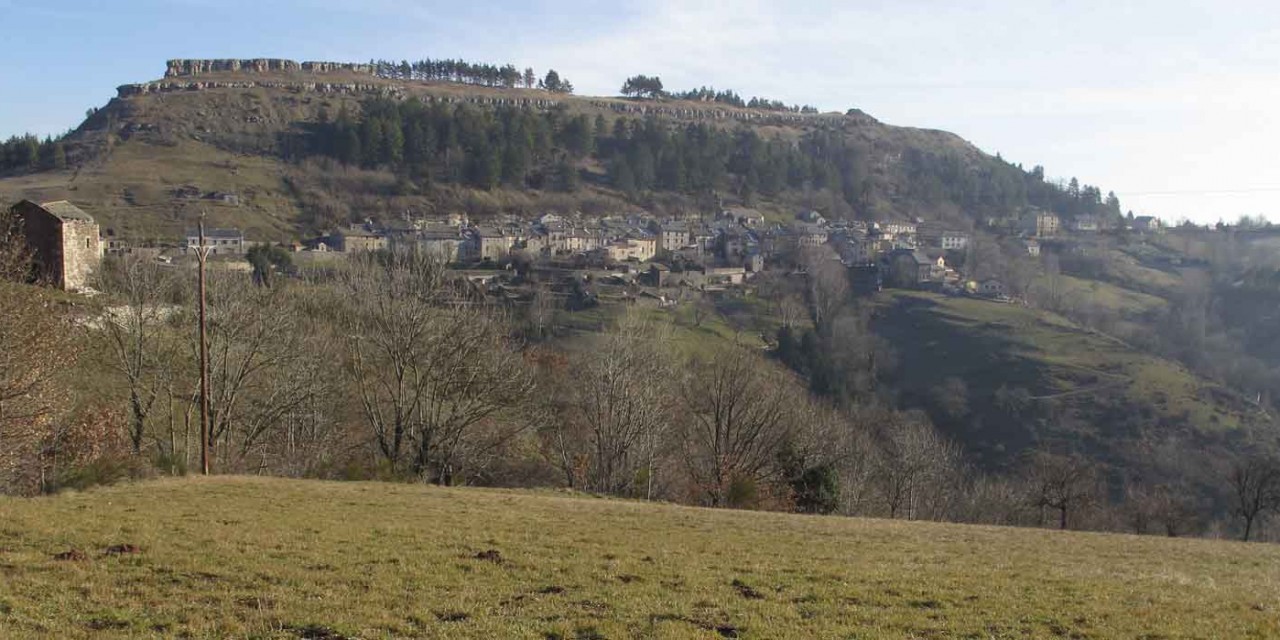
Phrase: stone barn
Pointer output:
(63, 240)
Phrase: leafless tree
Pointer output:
(135, 332)
(1065, 484)
(786, 301)
(1170, 507)
(736, 417)
(828, 285)
(622, 395)
(919, 471)
(431, 370)
(37, 345)
(1255, 490)
(542, 310)
(858, 357)
(15, 257)
(259, 369)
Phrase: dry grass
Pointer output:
(250, 557)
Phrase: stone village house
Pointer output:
(63, 240)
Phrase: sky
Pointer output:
(1170, 104)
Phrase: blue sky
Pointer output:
(1171, 104)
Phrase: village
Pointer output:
(635, 256)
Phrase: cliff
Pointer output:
(193, 67)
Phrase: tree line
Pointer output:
(505, 76)
(488, 148)
(28, 153)
(650, 87)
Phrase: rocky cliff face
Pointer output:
(188, 67)
(169, 86)
(182, 75)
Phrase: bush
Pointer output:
(101, 471)
(817, 490)
(743, 493)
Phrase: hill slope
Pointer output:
(137, 162)
(275, 558)
(1034, 378)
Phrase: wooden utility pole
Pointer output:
(202, 253)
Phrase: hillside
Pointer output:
(143, 162)
(1033, 378)
(254, 557)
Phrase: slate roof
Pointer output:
(65, 211)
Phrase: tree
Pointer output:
(828, 285)
(38, 344)
(432, 375)
(622, 401)
(555, 84)
(135, 334)
(918, 469)
(260, 370)
(643, 86)
(1065, 484)
(1255, 490)
(737, 411)
(267, 260)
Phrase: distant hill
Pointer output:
(265, 132)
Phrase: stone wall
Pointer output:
(81, 254)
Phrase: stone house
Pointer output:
(490, 243)
(358, 239)
(910, 268)
(1085, 224)
(991, 287)
(1040, 223)
(673, 235)
(1146, 224)
(221, 242)
(63, 240)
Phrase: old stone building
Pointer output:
(64, 242)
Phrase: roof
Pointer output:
(216, 233)
(62, 210)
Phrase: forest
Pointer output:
(506, 147)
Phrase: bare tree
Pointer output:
(828, 285)
(429, 368)
(622, 396)
(259, 371)
(1170, 508)
(737, 416)
(15, 256)
(919, 470)
(542, 310)
(1065, 484)
(135, 337)
(786, 302)
(1255, 490)
(37, 344)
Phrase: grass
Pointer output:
(270, 558)
(1077, 376)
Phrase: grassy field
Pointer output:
(269, 558)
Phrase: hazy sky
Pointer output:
(1171, 104)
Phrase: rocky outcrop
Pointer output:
(180, 76)
(189, 67)
(171, 86)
